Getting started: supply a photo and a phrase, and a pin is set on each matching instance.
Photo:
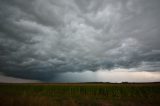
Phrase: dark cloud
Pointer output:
(7, 79)
(39, 39)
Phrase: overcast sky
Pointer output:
(47, 39)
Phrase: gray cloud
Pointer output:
(39, 39)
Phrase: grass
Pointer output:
(80, 94)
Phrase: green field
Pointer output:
(80, 94)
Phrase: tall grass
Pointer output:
(79, 94)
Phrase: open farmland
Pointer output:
(83, 94)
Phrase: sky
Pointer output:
(79, 40)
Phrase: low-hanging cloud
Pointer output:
(40, 38)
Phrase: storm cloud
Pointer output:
(42, 38)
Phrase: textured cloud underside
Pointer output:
(39, 38)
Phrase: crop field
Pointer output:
(82, 94)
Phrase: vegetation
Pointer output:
(84, 94)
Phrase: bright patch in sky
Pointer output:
(116, 75)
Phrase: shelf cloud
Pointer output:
(42, 38)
